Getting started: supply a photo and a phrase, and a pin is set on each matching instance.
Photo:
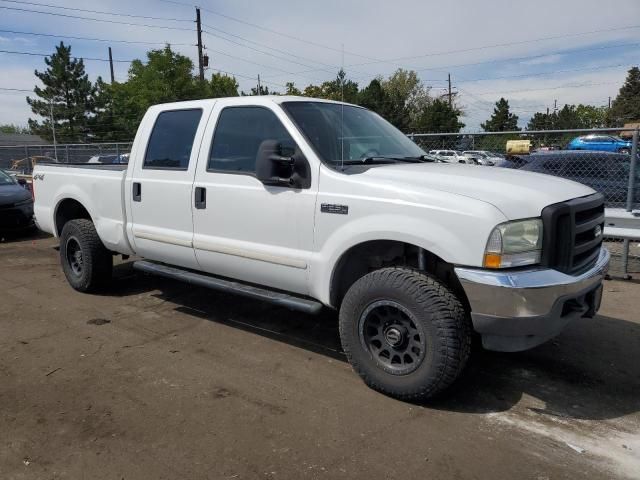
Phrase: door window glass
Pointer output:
(172, 139)
(239, 133)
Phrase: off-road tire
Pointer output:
(96, 260)
(443, 320)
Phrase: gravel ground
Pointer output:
(156, 379)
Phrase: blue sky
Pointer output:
(532, 53)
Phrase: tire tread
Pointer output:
(448, 316)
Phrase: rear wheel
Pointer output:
(405, 333)
(626, 151)
(86, 263)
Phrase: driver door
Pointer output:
(244, 229)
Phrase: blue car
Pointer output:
(600, 143)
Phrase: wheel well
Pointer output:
(373, 255)
(69, 209)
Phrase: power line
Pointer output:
(497, 45)
(540, 74)
(95, 19)
(15, 89)
(531, 57)
(575, 85)
(248, 77)
(16, 32)
(13, 52)
(269, 48)
(252, 62)
(298, 74)
(101, 12)
(275, 32)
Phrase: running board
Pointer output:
(305, 305)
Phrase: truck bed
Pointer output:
(97, 187)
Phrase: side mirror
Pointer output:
(282, 166)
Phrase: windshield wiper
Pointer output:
(390, 159)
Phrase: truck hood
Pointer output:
(515, 193)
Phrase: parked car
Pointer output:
(110, 159)
(451, 156)
(308, 203)
(482, 157)
(601, 143)
(16, 204)
(12, 173)
(607, 173)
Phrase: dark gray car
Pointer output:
(16, 204)
(607, 173)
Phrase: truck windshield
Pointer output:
(345, 133)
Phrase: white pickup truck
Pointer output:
(309, 203)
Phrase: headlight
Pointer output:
(514, 244)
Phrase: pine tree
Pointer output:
(67, 96)
(374, 98)
(626, 106)
(502, 119)
(292, 89)
(541, 121)
(438, 117)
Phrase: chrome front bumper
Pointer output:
(519, 309)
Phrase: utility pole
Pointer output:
(450, 102)
(555, 106)
(111, 67)
(609, 103)
(200, 61)
(53, 129)
(259, 87)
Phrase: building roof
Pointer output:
(21, 139)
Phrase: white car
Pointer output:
(110, 159)
(451, 156)
(313, 204)
(483, 157)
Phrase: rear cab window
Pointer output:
(171, 140)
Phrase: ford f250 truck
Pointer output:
(309, 203)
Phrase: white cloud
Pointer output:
(544, 60)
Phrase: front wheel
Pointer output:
(86, 262)
(405, 333)
(626, 151)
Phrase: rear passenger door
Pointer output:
(159, 190)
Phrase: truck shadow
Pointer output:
(590, 372)
(27, 234)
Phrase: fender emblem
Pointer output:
(332, 208)
(38, 176)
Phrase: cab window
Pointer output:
(239, 133)
(171, 140)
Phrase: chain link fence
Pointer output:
(604, 159)
(22, 158)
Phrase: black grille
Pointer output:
(573, 234)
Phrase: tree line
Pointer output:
(85, 111)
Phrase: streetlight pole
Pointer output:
(53, 129)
